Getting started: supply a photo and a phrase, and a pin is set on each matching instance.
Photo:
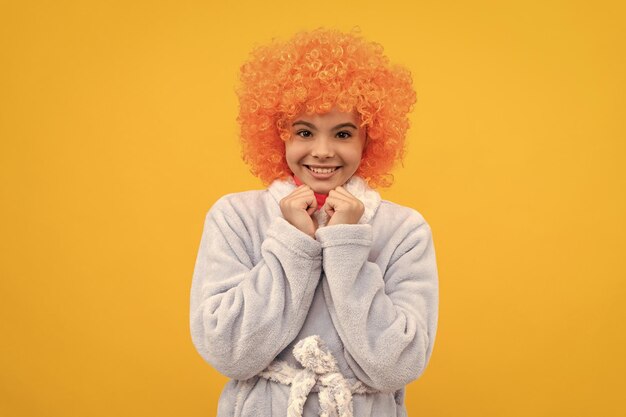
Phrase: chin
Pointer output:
(322, 190)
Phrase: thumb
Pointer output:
(312, 207)
(329, 210)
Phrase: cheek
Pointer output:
(291, 153)
(356, 155)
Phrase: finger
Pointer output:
(307, 204)
(347, 198)
(328, 209)
(336, 201)
(300, 190)
(296, 195)
(310, 201)
(338, 192)
(303, 202)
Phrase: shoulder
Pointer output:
(396, 223)
(397, 214)
(240, 204)
(402, 229)
(256, 199)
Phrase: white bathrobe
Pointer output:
(369, 291)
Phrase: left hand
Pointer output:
(342, 207)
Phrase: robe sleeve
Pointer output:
(243, 314)
(387, 319)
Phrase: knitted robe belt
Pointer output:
(320, 371)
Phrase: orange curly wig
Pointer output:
(313, 72)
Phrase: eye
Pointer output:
(304, 133)
(344, 134)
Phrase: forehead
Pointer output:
(333, 117)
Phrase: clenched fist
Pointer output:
(342, 207)
(298, 209)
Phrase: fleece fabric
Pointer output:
(368, 290)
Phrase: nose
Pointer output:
(322, 147)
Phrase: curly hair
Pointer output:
(312, 73)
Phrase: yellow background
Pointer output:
(117, 134)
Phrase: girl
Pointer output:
(315, 296)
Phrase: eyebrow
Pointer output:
(312, 126)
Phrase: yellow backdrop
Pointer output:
(117, 134)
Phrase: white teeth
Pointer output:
(322, 170)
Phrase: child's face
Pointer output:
(325, 150)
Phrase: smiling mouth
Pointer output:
(318, 170)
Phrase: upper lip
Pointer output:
(322, 166)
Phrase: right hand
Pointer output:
(298, 208)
